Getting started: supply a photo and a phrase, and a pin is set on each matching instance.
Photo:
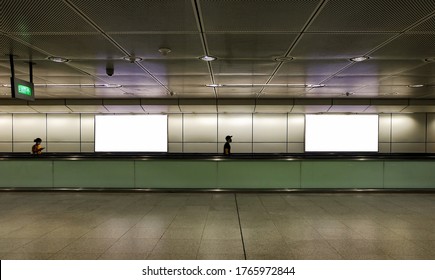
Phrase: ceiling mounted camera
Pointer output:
(110, 70)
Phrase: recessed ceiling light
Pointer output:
(415, 86)
(315, 86)
(132, 58)
(208, 58)
(359, 58)
(58, 59)
(165, 51)
(284, 58)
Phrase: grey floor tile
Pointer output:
(106, 232)
(75, 256)
(142, 232)
(183, 233)
(213, 256)
(124, 256)
(206, 226)
(45, 245)
(172, 256)
(177, 246)
(89, 245)
(10, 244)
(221, 233)
(27, 256)
(134, 245)
(223, 247)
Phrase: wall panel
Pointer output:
(296, 128)
(237, 125)
(5, 127)
(270, 128)
(409, 128)
(27, 127)
(175, 128)
(63, 127)
(200, 128)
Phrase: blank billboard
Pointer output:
(341, 133)
(131, 133)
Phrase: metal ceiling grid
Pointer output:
(370, 15)
(256, 16)
(40, 16)
(246, 36)
(138, 15)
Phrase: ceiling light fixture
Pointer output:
(416, 86)
(359, 58)
(208, 58)
(284, 58)
(268, 85)
(132, 58)
(74, 85)
(58, 59)
(165, 51)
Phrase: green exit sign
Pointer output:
(22, 89)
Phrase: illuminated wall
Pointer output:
(205, 133)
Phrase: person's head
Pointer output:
(37, 140)
(228, 138)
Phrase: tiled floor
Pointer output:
(68, 225)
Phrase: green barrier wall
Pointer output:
(211, 174)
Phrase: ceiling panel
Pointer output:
(176, 66)
(312, 67)
(396, 91)
(370, 15)
(427, 70)
(74, 46)
(240, 79)
(298, 79)
(24, 17)
(380, 67)
(426, 26)
(240, 45)
(97, 67)
(137, 15)
(243, 67)
(147, 46)
(339, 45)
(252, 15)
(408, 46)
(20, 50)
(355, 81)
(246, 36)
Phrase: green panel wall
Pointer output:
(409, 174)
(94, 174)
(210, 174)
(342, 174)
(26, 173)
(258, 174)
(175, 174)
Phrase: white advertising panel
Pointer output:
(131, 133)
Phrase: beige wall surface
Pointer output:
(205, 133)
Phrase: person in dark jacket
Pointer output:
(227, 146)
